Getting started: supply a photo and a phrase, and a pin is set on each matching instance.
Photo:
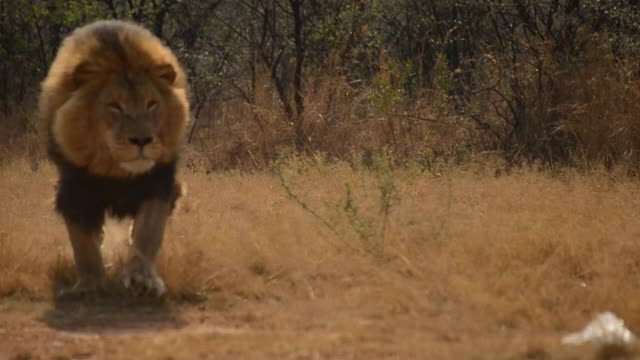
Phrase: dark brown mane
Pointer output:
(84, 198)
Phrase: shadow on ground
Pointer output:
(113, 309)
(106, 313)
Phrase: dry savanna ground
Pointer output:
(322, 260)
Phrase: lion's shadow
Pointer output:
(112, 310)
(111, 314)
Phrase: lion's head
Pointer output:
(114, 101)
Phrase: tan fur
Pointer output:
(113, 62)
(114, 104)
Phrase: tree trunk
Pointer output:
(298, 23)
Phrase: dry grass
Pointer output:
(465, 255)
(340, 119)
(601, 100)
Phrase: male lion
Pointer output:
(113, 108)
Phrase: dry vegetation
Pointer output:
(316, 259)
(402, 179)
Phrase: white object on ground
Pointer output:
(605, 329)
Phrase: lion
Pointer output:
(113, 110)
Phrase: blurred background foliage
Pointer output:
(555, 81)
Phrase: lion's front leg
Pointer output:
(88, 259)
(148, 232)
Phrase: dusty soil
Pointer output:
(313, 329)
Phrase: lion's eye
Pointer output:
(115, 107)
(151, 105)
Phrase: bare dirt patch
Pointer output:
(467, 265)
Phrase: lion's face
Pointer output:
(133, 112)
(122, 124)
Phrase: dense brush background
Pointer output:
(551, 80)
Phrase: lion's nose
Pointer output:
(141, 141)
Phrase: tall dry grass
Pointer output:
(341, 118)
(581, 115)
(527, 251)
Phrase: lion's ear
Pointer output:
(165, 72)
(83, 73)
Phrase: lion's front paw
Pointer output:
(142, 279)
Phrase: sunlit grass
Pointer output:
(527, 250)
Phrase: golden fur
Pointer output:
(105, 78)
(113, 108)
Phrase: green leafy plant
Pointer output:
(368, 222)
